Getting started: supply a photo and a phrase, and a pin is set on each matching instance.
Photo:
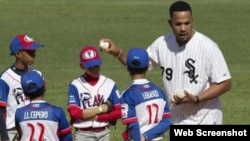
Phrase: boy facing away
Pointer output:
(145, 108)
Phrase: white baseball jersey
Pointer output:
(194, 67)
(15, 96)
(84, 95)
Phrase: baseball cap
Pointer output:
(32, 81)
(90, 57)
(137, 58)
(23, 42)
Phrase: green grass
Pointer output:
(64, 26)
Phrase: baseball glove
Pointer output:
(110, 108)
(109, 105)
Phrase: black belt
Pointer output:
(93, 129)
(11, 129)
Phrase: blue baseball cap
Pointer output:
(23, 42)
(32, 81)
(90, 57)
(137, 58)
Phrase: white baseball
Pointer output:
(172, 99)
(104, 44)
(180, 94)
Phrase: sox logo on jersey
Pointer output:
(191, 71)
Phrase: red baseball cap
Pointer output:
(89, 57)
(23, 42)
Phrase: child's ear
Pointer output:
(17, 54)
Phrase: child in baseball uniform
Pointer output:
(93, 99)
(23, 47)
(39, 120)
(145, 108)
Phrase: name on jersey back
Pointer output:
(150, 94)
(36, 115)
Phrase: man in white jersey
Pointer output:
(39, 120)
(87, 94)
(189, 60)
(145, 108)
(23, 48)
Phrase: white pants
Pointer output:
(92, 136)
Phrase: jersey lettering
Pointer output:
(153, 110)
(18, 93)
(85, 97)
(86, 100)
(168, 72)
(191, 72)
(32, 127)
(98, 100)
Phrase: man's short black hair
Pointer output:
(179, 6)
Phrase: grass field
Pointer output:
(64, 26)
